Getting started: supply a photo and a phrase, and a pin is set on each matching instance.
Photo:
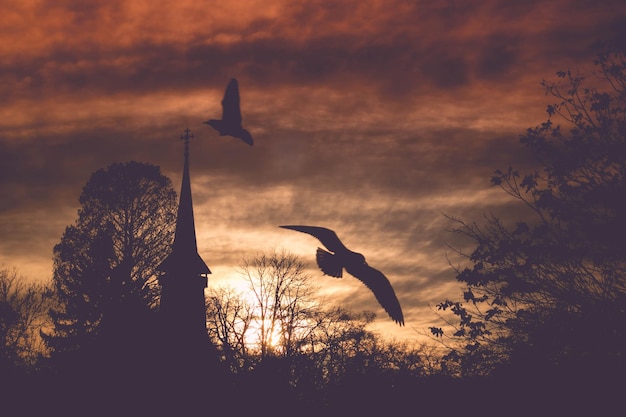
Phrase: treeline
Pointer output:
(279, 350)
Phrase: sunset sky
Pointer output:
(371, 118)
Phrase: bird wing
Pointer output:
(231, 113)
(246, 137)
(329, 264)
(326, 236)
(215, 124)
(378, 283)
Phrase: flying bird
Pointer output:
(354, 263)
(230, 124)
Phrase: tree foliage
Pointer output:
(549, 292)
(105, 264)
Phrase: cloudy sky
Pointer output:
(372, 118)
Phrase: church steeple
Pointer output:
(184, 275)
(185, 249)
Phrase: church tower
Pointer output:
(184, 275)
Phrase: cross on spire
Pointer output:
(186, 138)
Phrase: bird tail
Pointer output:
(329, 263)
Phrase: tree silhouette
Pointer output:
(229, 319)
(283, 300)
(23, 310)
(280, 341)
(547, 294)
(342, 343)
(105, 264)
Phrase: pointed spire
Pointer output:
(184, 254)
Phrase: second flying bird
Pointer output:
(354, 263)
(230, 124)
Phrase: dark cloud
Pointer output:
(445, 70)
(498, 57)
(323, 48)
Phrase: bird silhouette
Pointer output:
(354, 263)
(230, 124)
